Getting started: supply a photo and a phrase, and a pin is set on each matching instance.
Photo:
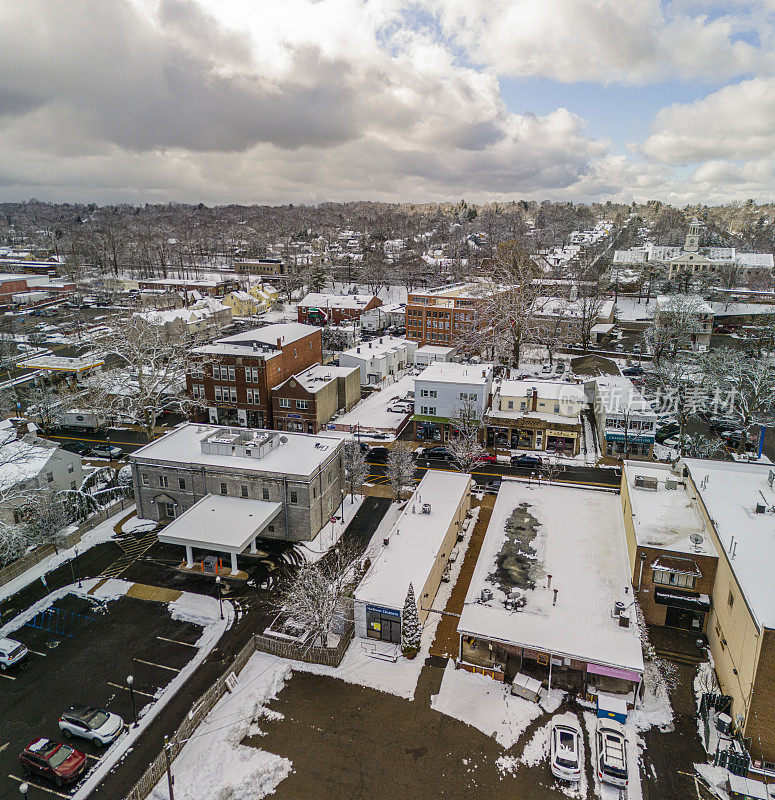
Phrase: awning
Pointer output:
(689, 602)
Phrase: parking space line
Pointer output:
(154, 664)
(38, 786)
(7, 677)
(2, 747)
(175, 641)
(136, 691)
(35, 652)
(89, 755)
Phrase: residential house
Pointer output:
(382, 317)
(199, 321)
(426, 355)
(379, 359)
(335, 309)
(241, 303)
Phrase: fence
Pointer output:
(199, 711)
(329, 656)
(21, 565)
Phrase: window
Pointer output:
(231, 374)
(218, 393)
(556, 408)
(510, 405)
(70, 468)
(314, 492)
(264, 493)
(248, 375)
(169, 509)
(270, 528)
(730, 599)
(294, 497)
(284, 402)
(233, 393)
(50, 477)
(224, 489)
(250, 397)
(216, 372)
(144, 479)
(164, 481)
(431, 411)
(182, 484)
(677, 579)
(244, 490)
(302, 404)
(72, 484)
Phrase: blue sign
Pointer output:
(293, 416)
(386, 612)
(619, 437)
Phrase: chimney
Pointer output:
(279, 344)
(534, 404)
(548, 581)
(554, 602)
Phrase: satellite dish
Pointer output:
(696, 538)
(283, 439)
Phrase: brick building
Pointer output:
(238, 372)
(307, 401)
(335, 309)
(211, 288)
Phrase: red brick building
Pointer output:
(238, 372)
(335, 309)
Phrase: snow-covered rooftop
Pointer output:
(692, 303)
(299, 454)
(373, 411)
(620, 396)
(347, 301)
(547, 390)
(220, 523)
(665, 518)
(319, 375)
(579, 541)
(730, 492)
(433, 350)
(376, 348)
(22, 460)
(63, 363)
(451, 372)
(415, 541)
(285, 332)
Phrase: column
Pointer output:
(234, 569)
(253, 546)
(189, 556)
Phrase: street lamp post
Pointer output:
(129, 681)
(77, 570)
(23, 789)
(220, 599)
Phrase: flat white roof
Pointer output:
(619, 395)
(450, 372)
(372, 412)
(666, 518)
(319, 375)
(415, 540)
(220, 523)
(349, 301)
(433, 350)
(731, 494)
(62, 363)
(286, 332)
(300, 454)
(547, 390)
(375, 348)
(579, 540)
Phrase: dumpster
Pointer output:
(526, 687)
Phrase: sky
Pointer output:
(306, 101)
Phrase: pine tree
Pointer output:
(317, 278)
(410, 626)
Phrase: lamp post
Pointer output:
(77, 570)
(220, 600)
(23, 789)
(129, 681)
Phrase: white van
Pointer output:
(11, 652)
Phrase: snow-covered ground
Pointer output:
(100, 533)
(213, 765)
(372, 413)
(331, 532)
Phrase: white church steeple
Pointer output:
(692, 243)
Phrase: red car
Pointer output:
(486, 458)
(54, 760)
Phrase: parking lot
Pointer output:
(88, 667)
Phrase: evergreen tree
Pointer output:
(317, 278)
(410, 626)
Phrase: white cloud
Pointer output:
(735, 122)
(603, 40)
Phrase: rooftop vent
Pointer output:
(645, 482)
(485, 595)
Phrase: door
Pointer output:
(391, 630)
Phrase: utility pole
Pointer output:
(170, 779)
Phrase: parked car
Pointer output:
(76, 447)
(486, 458)
(526, 460)
(636, 348)
(718, 422)
(96, 724)
(546, 369)
(633, 371)
(377, 454)
(492, 487)
(106, 451)
(611, 753)
(560, 368)
(438, 452)
(734, 438)
(11, 653)
(54, 760)
(565, 751)
(666, 431)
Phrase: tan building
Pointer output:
(200, 321)
(736, 504)
(536, 415)
(307, 401)
(267, 267)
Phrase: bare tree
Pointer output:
(400, 467)
(152, 379)
(45, 518)
(464, 441)
(355, 467)
(675, 322)
(311, 597)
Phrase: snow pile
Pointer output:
(537, 749)
(716, 777)
(507, 764)
(655, 709)
(484, 704)
(214, 765)
(197, 608)
(139, 524)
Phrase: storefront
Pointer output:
(531, 434)
(383, 623)
(631, 446)
(684, 610)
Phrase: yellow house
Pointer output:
(264, 294)
(242, 304)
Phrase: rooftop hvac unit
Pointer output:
(618, 608)
(624, 619)
(426, 508)
(486, 595)
(671, 483)
(646, 482)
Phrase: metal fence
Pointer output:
(21, 565)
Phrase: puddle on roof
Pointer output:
(516, 566)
